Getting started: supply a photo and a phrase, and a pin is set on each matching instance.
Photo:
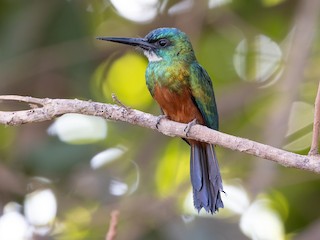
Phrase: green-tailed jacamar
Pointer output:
(183, 89)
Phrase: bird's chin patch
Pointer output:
(152, 57)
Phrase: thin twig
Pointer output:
(316, 125)
(112, 232)
(116, 100)
(53, 108)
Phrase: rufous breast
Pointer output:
(177, 105)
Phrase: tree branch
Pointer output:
(52, 108)
(316, 125)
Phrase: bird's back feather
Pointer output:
(203, 95)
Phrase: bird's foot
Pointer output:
(189, 125)
(159, 118)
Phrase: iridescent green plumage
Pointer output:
(183, 89)
(179, 67)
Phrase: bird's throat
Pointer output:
(152, 57)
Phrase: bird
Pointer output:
(183, 90)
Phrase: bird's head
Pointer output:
(166, 44)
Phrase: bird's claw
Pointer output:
(189, 125)
(159, 118)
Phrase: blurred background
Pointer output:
(62, 179)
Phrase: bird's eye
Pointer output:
(163, 42)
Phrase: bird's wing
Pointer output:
(203, 95)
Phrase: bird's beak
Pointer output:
(139, 42)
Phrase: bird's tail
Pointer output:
(205, 177)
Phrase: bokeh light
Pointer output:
(40, 210)
(181, 7)
(105, 157)
(217, 3)
(235, 199)
(40, 207)
(260, 221)
(126, 78)
(79, 129)
(140, 11)
(258, 59)
(172, 169)
(13, 225)
(118, 188)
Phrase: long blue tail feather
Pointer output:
(205, 178)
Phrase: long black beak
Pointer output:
(139, 42)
